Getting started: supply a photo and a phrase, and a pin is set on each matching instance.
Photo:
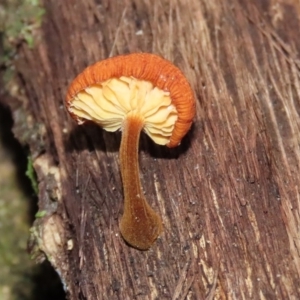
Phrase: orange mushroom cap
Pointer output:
(148, 67)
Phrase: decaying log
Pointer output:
(228, 195)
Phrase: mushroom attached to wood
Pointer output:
(131, 93)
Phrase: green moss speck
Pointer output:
(40, 214)
(30, 173)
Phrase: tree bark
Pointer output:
(228, 195)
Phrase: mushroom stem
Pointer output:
(140, 225)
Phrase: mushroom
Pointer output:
(131, 93)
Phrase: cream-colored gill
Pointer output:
(108, 104)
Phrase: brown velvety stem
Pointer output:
(140, 225)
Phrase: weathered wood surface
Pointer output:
(228, 196)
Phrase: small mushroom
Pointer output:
(131, 93)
